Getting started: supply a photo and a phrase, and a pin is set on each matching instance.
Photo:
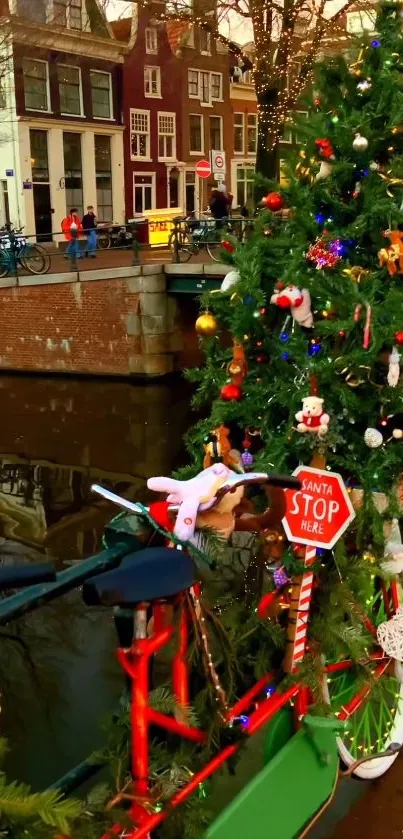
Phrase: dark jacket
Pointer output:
(219, 205)
(89, 221)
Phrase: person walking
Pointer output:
(72, 227)
(89, 227)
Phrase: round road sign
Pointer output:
(203, 169)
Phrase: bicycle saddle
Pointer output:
(146, 575)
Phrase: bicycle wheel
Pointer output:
(4, 263)
(214, 250)
(34, 259)
(104, 241)
(368, 699)
(186, 248)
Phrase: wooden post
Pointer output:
(297, 627)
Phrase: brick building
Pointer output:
(62, 135)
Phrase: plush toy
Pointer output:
(219, 448)
(230, 280)
(312, 418)
(298, 302)
(392, 256)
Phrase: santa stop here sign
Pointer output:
(320, 512)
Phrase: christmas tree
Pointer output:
(315, 300)
(302, 348)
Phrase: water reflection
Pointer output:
(57, 437)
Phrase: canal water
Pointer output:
(57, 437)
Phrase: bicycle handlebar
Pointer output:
(18, 576)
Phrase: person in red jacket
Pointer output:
(72, 227)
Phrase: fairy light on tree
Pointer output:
(287, 39)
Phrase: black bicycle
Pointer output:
(16, 251)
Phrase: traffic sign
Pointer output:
(319, 513)
(203, 169)
(218, 163)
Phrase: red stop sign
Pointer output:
(319, 513)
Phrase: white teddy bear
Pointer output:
(312, 418)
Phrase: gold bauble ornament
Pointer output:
(206, 324)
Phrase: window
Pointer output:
(101, 94)
(359, 22)
(36, 84)
(247, 77)
(245, 178)
(103, 175)
(166, 136)
(70, 90)
(216, 133)
(286, 134)
(4, 203)
(32, 11)
(151, 41)
(68, 13)
(238, 133)
(193, 83)
(251, 134)
(140, 134)
(195, 133)
(152, 81)
(39, 156)
(73, 171)
(283, 177)
(143, 192)
(216, 86)
(205, 42)
(299, 138)
(205, 86)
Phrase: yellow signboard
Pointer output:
(160, 225)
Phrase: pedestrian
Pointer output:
(72, 227)
(219, 204)
(89, 227)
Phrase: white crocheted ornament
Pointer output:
(390, 636)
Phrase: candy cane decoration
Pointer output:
(304, 601)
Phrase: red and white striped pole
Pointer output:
(302, 611)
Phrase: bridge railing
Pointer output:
(191, 236)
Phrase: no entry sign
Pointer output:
(319, 513)
(203, 169)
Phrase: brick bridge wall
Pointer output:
(113, 322)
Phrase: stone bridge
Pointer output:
(132, 320)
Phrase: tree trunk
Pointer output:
(267, 151)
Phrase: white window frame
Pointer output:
(148, 69)
(282, 180)
(242, 115)
(173, 115)
(74, 67)
(251, 114)
(151, 40)
(305, 114)
(153, 187)
(198, 95)
(200, 151)
(51, 16)
(208, 35)
(110, 118)
(216, 98)
(221, 146)
(147, 157)
(287, 133)
(39, 110)
(190, 40)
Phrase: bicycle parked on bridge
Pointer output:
(190, 235)
(16, 251)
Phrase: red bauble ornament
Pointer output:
(399, 338)
(228, 246)
(231, 393)
(273, 201)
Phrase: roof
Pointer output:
(121, 28)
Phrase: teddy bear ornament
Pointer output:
(312, 417)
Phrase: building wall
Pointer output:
(134, 98)
(242, 163)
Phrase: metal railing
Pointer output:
(37, 254)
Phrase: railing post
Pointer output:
(175, 256)
(135, 245)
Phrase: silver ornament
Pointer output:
(373, 438)
(360, 143)
(364, 86)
